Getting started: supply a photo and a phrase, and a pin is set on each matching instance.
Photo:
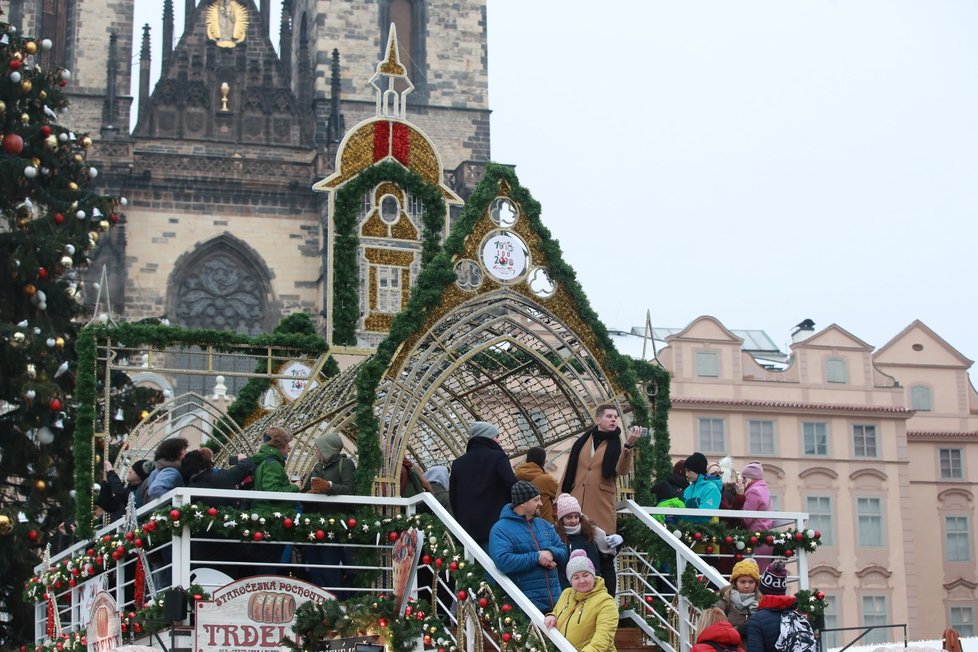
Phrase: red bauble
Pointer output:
(462, 596)
(728, 539)
(42, 273)
(72, 582)
(212, 511)
(382, 622)
(55, 405)
(115, 555)
(59, 218)
(287, 522)
(697, 536)
(75, 571)
(769, 539)
(13, 144)
(649, 599)
(14, 64)
(483, 602)
(818, 535)
(63, 83)
(33, 535)
(351, 522)
(439, 563)
(427, 639)
(426, 559)
(709, 550)
(788, 552)
(130, 536)
(507, 636)
(121, 550)
(738, 557)
(90, 552)
(45, 131)
(320, 535)
(138, 543)
(258, 536)
(453, 566)
(175, 514)
(507, 607)
(820, 595)
(753, 541)
(799, 536)
(393, 536)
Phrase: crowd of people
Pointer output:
(555, 539)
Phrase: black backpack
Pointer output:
(796, 633)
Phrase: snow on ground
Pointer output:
(969, 644)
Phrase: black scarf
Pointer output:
(608, 464)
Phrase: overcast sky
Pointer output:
(761, 162)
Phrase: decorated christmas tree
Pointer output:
(52, 219)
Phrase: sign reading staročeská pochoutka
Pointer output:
(255, 613)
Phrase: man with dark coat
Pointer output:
(480, 482)
(113, 495)
(764, 627)
(596, 460)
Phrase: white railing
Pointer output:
(657, 584)
(174, 564)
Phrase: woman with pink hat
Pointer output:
(757, 498)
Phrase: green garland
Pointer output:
(811, 603)
(345, 310)
(158, 336)
(426, 296)
(654, 461)
(363, 527)
(696, 590)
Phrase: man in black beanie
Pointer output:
(703, 491)
(113, 495)
(533, 471)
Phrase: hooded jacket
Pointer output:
(722, 633)
(479, 486)
(270, 473)
(704, 493)
(515, 545)
(764, 627)
(588, 620)
(545, 483)
(341, 471)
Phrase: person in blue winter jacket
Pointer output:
(526, 547)
(703, 491)
(764, 627)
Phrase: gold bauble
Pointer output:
(143, 414)
(50, 142)
(66, 261)
(40, 485)
(26, 85)
(79, 158)
(25, 118)
(72, 186)
(3, 106)
(36, 162)
(6, 525)
(43, 95)
(59, 342)
(30, 47)
(86, 142)
(30, 290)
(23, 221)
(103, 225)
(93, 236)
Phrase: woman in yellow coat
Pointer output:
(585, 613)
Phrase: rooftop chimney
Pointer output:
(802, 331)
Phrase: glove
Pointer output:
(319, 485)
(614, 540)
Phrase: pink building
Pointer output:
(879, 448)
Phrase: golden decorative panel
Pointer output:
(391, 257)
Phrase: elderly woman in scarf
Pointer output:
(333, 475)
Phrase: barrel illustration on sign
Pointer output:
(255, 613)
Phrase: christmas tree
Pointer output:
(52, 219)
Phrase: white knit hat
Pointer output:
(578, 562)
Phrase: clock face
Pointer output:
(292, 387)
(505, 256)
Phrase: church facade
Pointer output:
(223, 229)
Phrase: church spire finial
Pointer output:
(391, 102)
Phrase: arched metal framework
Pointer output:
(500, 357)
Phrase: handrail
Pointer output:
(183, 495)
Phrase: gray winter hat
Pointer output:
(483, 429)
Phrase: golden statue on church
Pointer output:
(227, 23)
